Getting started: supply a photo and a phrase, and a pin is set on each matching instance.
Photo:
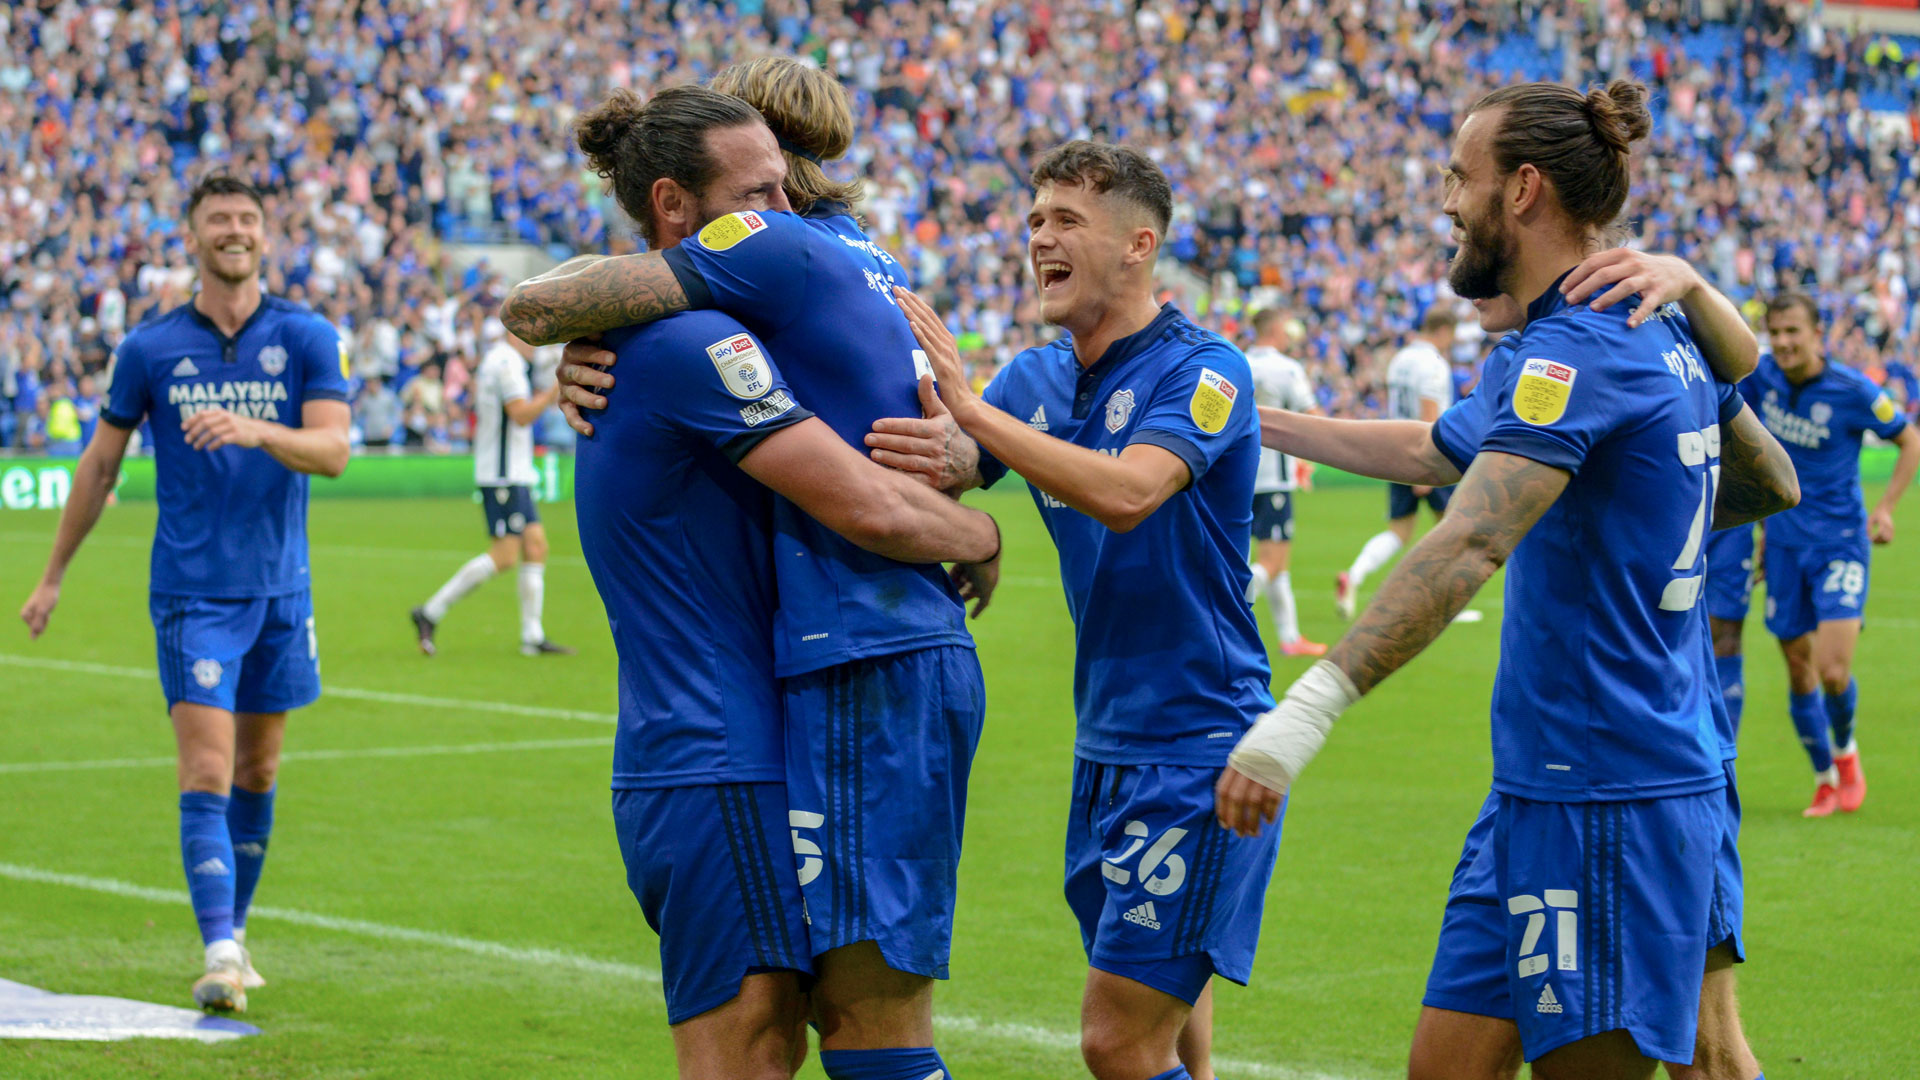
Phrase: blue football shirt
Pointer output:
(680, 545)
(1605, 688)
(1821, 422)
(1168, 664)
(820, 294)
(233, 522)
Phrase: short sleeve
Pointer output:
(1199, 407)
(750, 265)
(324, 363)
(128, 396)
(1436, 382)
(1729, 399)
(1881, 416)
(512, 381)
(997, 394)
(1553, 409)
(725, 392)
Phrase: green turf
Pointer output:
(516, 847)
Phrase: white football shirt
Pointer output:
(1279, 382)
(1418, 373)
(502, 449)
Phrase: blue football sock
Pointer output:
(1840, 714)
(1733, 686)
(1809, 714)
(207, 853)
(906, 1063)
(249, 823)
(1176, 1073)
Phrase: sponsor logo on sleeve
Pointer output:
(343, 359)
(1119, 409)
(1212, 403)
(743, 369)
(1883, 409)
(771, 407)
(723, 233)
(1540, 397)
(273, 359)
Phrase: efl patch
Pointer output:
(1212, 401)
(722, 233)
(207, 673)
(1541, 396)
(1119, 408)
(742, 368)
(1883, 409)
(343, 359)
(772, 407)
(273, 359)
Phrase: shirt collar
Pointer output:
(194, 312)
(1130, 346)
(828, 208)
(1548, 302)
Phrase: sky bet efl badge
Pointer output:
(722, 233)
(1541, 396)
(741, 367)
(1212, 401)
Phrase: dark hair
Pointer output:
(1110, 169)
(221, 184)
(1785, 301)
(631, 143)
(1579, 142)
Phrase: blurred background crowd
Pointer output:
(399, 141)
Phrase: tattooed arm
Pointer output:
(1497, 503)
(1756, 475)
(591, 294)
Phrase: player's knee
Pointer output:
(1726, 638)
(535, 549)
(206, 770)
(1113, 1052)
(503, 556)
(1834, 677)
(256, 773)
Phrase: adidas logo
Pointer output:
(1548, 1003)
(185, 368)
(212, 866)
(1038, 421)
(1144, 915)
(250, 850)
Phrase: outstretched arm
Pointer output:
(1726, 341)
(1757, 478)
(1401, 451)
(592, 294)
(93, 479)
(1498, 502)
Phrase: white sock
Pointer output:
(1852, 747)
(464, 580)
(1286, 624)
(533, 595)
(1831, 776)
(1377, 553)
(1259, 583)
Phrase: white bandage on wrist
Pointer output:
(1281, 742)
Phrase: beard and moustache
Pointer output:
(1485, 253)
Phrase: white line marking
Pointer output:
(349, 550)
(314, 755)
(967, 1026)
(88, 668)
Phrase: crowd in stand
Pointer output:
(1304, 140)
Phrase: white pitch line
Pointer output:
(314, 755)
(967, 1026)
(349, 550)
(89, 668)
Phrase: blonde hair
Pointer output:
(810, 115)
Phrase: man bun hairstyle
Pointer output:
(631, 144)
(1580, 142)
(1110, 169)
(221, 183)
(810, 115)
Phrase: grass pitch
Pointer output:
(444, 896)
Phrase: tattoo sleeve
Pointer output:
(592, 294)
(1756, 475)
(1498, 501)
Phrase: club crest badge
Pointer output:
(1119, 410)
(273, 359)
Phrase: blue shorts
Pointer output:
(878, 753)
(1273, 515)
(711, 869)
(257, 655)
(509, 510)
(1730, 574)
(1402, 502)
(1809, 586)
(1729, 882)
(1164, 895)
(1573, 919)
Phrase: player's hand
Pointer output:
(976, 582)
(1421, 491)
(937, 341)
(39, 609)
(1244, 804)
(582, 370)
(1622, 272)
(933, 448)
(1880, 525)
(211, 429)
